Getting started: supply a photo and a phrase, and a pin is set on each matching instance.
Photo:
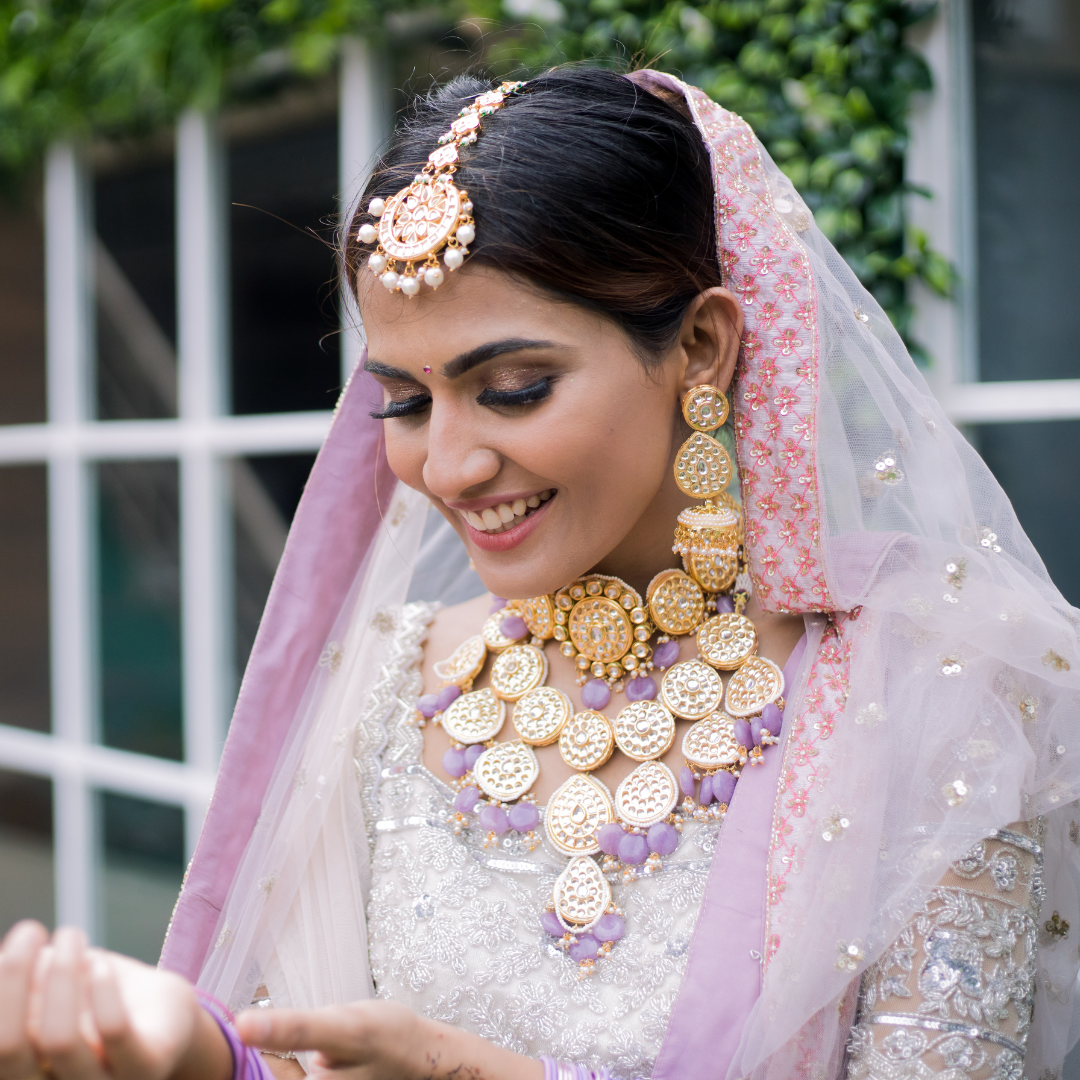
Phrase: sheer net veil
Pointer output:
(940, 703)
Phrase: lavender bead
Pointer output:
(667, 652)
(466, 799)
(609, 928)
(447, 696)
(497, 604)
(743, 735)
(663, 838)
(473, 752)
(686, 780)
(724, 604)
(756, 730)
(723, 787)
(550, 922)
(427, 705)
(706, 793)
(494, 819)
(524, 817)
(772, 718)
(609, 836)
(513, 626)
(641, 688)
(633, 849)
(595, 694)
(586, 948)
(453, 761)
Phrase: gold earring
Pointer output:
(702, 466)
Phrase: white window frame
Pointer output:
(202, 439)
(941, 158)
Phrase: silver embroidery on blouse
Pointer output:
(952, 996)
(455, 930)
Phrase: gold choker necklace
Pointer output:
(619, 638)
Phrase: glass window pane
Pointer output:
(140, 871)
(26, 849)
(24, 597)
(1032, 463)
(22, 309)
(1027, 120)
(266, 491)
(285, 350)
(135, 280)
(139, 604)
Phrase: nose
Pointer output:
(457, 458)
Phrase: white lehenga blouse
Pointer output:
(455, 934)
(455, 928)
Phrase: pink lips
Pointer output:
(504, 541)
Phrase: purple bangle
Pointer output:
(247, 1061)
(568, 1070)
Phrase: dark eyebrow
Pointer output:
(387, 372)
(483, 353)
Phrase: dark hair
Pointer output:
(584, 184)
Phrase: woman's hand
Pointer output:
(381, 1040)
(85, 1014)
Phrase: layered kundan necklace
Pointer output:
(616, 639)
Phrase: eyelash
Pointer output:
(527, 395)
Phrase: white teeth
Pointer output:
(497, 519)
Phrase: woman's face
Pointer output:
(533, 427)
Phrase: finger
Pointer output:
(123, 1049)
(59, 1040)
(341, 1032)
(18, 955)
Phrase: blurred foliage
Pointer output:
(825, 83)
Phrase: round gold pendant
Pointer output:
(702, 467)
(753, 686)
(714, 573)
(710, 743)
(691, 689)
(647, 795)
(518, 670)
(644, 730)
(600, 629)
(474, 717)
(419, 219)
(586, 740)
(464, 663)
(582, 895)
(575, 813)
(676, 602)
(727, 640)
(705, 408)
(540, 714)
(506, 770)
(494, 638)
(539, 615)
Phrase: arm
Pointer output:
(955, 990)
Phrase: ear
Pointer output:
(709, 339)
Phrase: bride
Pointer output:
(757, 757)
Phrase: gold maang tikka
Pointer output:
(432, 213)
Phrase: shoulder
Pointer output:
(449, 628)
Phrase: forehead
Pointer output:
(477, 304)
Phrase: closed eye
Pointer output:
(527, 395)
(409, 407)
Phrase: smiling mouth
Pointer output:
(496, 519)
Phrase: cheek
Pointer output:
(406, 451)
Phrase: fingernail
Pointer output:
(256, 1027)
